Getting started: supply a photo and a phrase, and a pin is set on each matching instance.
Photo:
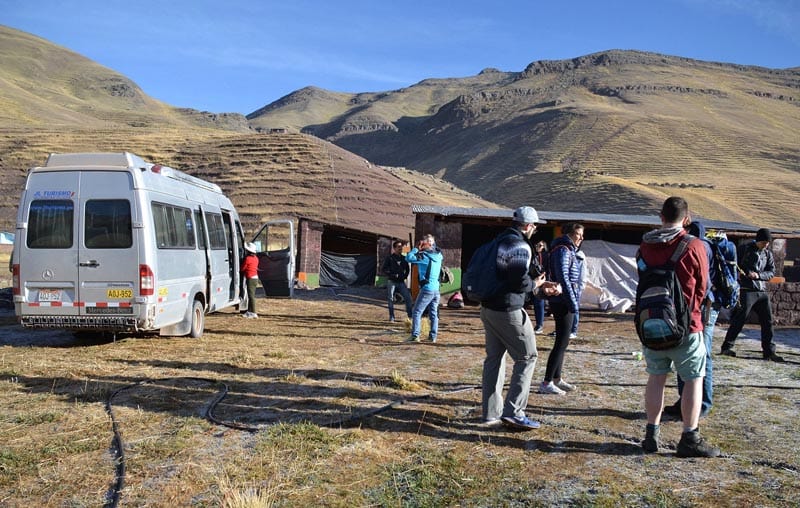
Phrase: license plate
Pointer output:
(119, 294)
(49, 295)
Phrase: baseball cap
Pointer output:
(526, 215)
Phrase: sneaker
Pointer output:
(650, 445)
(550, 388)
(520, 422)
(538, 329)
(432, 340)
(674, 411)
(391, 320)
(726, 351)
(693, 445)
(491, 422)
(567, 387)
(412, 338)
(772, 357)
(573, 335)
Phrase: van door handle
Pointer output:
(91, 263)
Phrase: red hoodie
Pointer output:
(691, 269)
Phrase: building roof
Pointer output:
(585, 218)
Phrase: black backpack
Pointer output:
(479, 282)
(662, 313)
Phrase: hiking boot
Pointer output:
(772, 357)
(520, 422)
(650, 442)
(413, 338)
(550, 388)
(563, 385)
(674, 411)
(726, 351)
(692, 444)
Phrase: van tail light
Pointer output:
(147, 281)
(15, 278)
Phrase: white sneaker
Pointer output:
(573, 335)
(550, 388)
(567, 387)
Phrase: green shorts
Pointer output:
(689, 359)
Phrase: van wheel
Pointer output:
(198, 320)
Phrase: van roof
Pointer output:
(123, 160)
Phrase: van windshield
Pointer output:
(50, 224)
(108, 224)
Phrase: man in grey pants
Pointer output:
(508, 327)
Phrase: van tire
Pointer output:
(198, 320)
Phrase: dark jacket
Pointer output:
(751, 259)
(513, 261)
(396, 267)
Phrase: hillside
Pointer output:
(53, 100)
(612, 132)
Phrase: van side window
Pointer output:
(201, 234)
(50, 224)
(107, 224)
(216, 231)
(174, 227)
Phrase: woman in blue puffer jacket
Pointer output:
(565, 270)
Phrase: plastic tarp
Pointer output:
(336, 269)
(6, 238)
(610, 275)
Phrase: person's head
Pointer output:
(430, 239)
(696, 229)
(525, 219)
(575, 233)
(397, 246)
(675, 212)
(250, 248)
(763, 237)
(540, 246)
(427, 242)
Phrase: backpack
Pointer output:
(479, 281)
(446, 276)
(725, 281)
(662, 313)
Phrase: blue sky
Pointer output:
(237, 55)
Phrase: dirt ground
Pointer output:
(330, 357)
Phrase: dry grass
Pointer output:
(334, 409)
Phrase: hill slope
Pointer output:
(53, 100)
(612, 132)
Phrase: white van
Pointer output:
(109, 242)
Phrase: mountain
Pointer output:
(54, 100)
(611, 132)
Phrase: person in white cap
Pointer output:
(508, 327)
(250, 272)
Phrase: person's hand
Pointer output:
(423, 245)
(551, 288)
(752, 275)
(538, 281)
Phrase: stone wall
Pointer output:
(785, 298)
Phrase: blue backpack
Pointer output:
(725, 278)
(479, 282)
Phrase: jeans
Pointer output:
(426, 299)
(708, 380)
(400, 286)
(538, 311)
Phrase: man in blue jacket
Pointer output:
(428, 258)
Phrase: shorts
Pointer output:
(689, 360)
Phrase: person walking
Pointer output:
(249, 271)
(757, 266)
(564, 270)
(688, 358)
(396, 269)
(508, 328)
(428, 258)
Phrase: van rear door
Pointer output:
(108, 257)
(48, 249)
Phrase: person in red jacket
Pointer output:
(689, 359)
(250, 272)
